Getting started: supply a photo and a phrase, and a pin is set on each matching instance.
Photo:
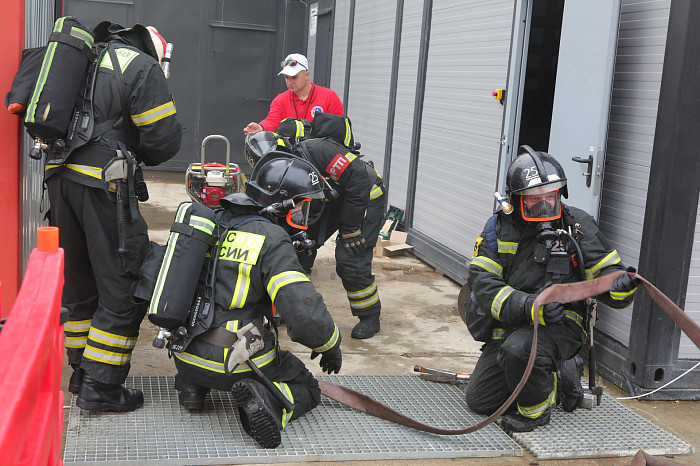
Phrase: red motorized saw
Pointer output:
(208, 183)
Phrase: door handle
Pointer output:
(589, 173)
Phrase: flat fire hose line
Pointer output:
(563, 293)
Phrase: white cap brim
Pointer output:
(292, 70)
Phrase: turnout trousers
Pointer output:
(502, 364)
(354, 271)
(201, 365)
(103, 321)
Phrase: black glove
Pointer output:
(331, 360)
(551, 313)
(352, 240)
(624, 283)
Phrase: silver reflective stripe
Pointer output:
(107, 357)
(331, 342)
(498, 301)
(167, 258)
(487, 264)
(506, 247)
(287, 393)
(240, 293)
(611, 259)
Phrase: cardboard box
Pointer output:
(393, 246)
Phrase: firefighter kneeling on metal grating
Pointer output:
(218, 322)
(532, 243)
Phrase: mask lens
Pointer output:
(298, 217)
(540, 207)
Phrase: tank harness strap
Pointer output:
(195, 233)
(79, 44)
(219, 336)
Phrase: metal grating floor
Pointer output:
(163, 433)
(608, 430)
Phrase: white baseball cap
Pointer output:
(293, 64)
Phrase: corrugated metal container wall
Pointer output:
(687, 348)
(632, 124)
(461, 125)
(38, 24)
(405, 101)
(370, 76)
(340, 46)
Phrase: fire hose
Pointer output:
(563, 293)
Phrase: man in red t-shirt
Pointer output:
(303, 99)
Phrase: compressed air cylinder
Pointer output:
(66, 59)
(191, 236)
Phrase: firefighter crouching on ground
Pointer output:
(356, 214)
(510, 266)
(247, 286)
(100, 268)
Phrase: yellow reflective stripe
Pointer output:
(348, 133)
(240, 293)
(202, 224)
(576, 318)
(611, 259)
(539, 316)
(95, 172)
(215, 366)
(300, 128)
(107, 357)
(167, 258)
(284, 388)
(350, 156)
(331, 341)
(155, 114)
(533, 412)
(232, 326)
(365, 303)
(487, 264)
(53, 166)
(497, 303)
(498, 333)
(285, 278)
(75, 342)
(375, 193)
(619, 295)
(82, 35)
(111, 339)
(507, 247)
(363, 292)
(77, 325)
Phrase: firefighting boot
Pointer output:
(97, 396)
(571, 391)
(367, 327)
(189, 395)
(516, 422)
(261, 415)
(76, 379)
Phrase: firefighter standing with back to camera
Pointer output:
(103, 321)
(515, 258)
(256, 268)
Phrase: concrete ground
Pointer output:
(420, 324)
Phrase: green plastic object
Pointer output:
(392, 218)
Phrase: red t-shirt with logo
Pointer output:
(288, 105)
